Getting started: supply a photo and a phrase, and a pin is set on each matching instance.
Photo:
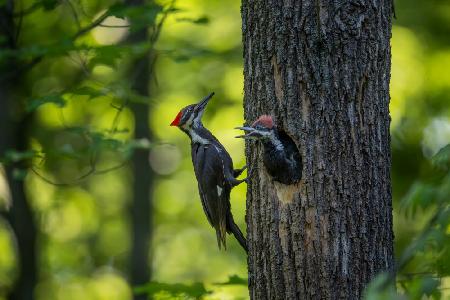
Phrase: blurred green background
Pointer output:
(79, 97)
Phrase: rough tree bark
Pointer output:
(322, 69)
(13, 135)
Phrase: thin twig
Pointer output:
(91, 26)
(114, 26)
(157, 32)
(81, 178)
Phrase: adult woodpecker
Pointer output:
(214, 171)
(282, 158)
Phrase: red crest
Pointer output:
(177, 119)
(264, 120)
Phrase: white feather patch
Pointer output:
(198, 139)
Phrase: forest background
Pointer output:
(93, 88)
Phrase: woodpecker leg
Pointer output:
(234, 182)
(238, 172)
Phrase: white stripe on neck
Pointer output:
(196, 138)
(276, 142)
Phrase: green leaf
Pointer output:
(139, 16)
(198, 21)
(186, 52)
(13, 156)
(88, 91)
(380, 288)
(195, 290)
(49, 4)
(107, 55)
(118, 10)
(56, 99)
(234, 280)
(133, 145)
(442, 158)
(101, 141)
(420, 195)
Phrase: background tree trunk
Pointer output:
(322, 69)
(13, 136)
(141, 206)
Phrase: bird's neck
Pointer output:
(273, 142)
(199, 134)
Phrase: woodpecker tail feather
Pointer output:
(221, 240)
(233, 228)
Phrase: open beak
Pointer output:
(250, 132)
(202, 104)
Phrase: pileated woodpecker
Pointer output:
(282, 158)
(214, 171)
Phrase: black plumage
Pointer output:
(282, 159)
(214, 171)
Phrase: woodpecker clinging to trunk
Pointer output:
(214, 171)
(281, 156)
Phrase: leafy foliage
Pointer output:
(140, 17)
(426, 260)
(195, 290)
(235, 280)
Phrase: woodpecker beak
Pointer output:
(251, 132)
(202, 104)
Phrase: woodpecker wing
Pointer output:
(214, 192)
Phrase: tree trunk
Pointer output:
(322, 70)
(13, 136)
(141, 207)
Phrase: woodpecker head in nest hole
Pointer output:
(262, 129)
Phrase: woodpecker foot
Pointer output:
(238, 172)
(234, 182)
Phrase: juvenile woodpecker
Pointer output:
(214, 171)
(282, 158)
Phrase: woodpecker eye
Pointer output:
(261, 128)
(177, 119)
